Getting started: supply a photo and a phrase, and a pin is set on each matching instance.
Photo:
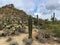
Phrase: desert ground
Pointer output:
(19, 39)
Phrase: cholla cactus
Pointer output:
(30, 26)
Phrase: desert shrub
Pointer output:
(23, 30)
(13, 31)
(47, 35)
(56, 32)
(16, 33)
(7, 19)
(20, 30)
(9, 39)
(17, 30)
(27, 41)
(13, 43)
(6, 32)
(43, 36)
(2, 35)
(40, 38)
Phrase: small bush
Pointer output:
(57, 33)
(40, 39)
(58, 40)
(2, 35)
(27, 41)
(16, 33)
(13, 43)
(43, 36)
(6, 32)
(22, 30)
(9, 39)
(1, 25)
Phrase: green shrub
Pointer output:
(56, 32)
(6, 32)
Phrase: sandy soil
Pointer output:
(21, 37)
(20, 42)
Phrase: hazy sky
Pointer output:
(44, 8)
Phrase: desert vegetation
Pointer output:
(18, 28)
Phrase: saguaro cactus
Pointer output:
(53, 18)
(30, 26)
(37, 21)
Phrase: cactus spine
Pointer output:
(30, 26)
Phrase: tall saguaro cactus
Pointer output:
(53, 18)
(30, 26)
(37, 21)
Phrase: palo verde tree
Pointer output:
(30, 26)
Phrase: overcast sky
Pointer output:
(44, 8)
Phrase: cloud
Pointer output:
(26, 5)
(47, 7)
(53, 6)
(47, 16)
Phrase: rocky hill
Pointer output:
(11, 10)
